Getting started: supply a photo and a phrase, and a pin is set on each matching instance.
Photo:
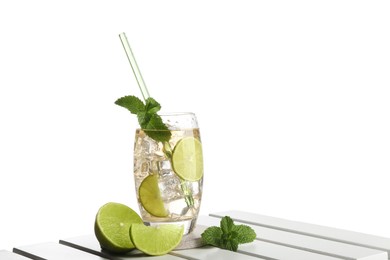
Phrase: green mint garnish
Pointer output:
(147, 116)
(229, 235)
(132, 103)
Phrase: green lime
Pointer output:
(150, 197)
(157, 240)
(187, 159)
(112, 224)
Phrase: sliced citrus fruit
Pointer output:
(112, 226)
(150, 197)
(156, 240)
(187, 159)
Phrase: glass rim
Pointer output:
(176, 113)
(172, 115)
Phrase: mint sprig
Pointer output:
(228, 235)
(147, 116)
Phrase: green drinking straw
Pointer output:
(145, 93)
(134, 66)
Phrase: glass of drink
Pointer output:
(169, 175)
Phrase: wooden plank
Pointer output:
(308, 243)
(7, 255)
(54, 251)
(90, 244)
(329, 233)
(270, 250)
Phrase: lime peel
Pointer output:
(112, 224)
(156, 240)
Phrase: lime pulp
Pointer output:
(187, 159)
(150, 197)
(157, 240)
(112, 224)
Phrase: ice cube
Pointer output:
(141, 168)
(145, 167)
(154, 166)
(149, 146)
(195, 187)
(164, 167)
(169, 185)
(137, 164)
(151, 149)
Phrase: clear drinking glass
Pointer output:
(169, 175)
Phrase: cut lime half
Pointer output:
(187, 159)
(158, 240)
(112, 224)
(150, 197)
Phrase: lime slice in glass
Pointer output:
(187, 159)
(112, 226)
(150, 197)
(158, 240)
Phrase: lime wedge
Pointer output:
(187, 159)
(150, 197)
(112, 226)
(157, 240)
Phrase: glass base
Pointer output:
(189, 224)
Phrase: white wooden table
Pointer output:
(276, 239)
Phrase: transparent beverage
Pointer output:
(166, 193)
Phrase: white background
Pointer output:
(292, 98)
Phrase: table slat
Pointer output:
(274, 251)
(54, 251)
(308, 243)
(270, 250)
(90, 244)
(7, 255)
(329, 233)
(214, 253)
(277, 239)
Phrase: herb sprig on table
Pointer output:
(147, 116)
(228, 235)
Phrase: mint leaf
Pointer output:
(152, 106)
(229, 235)
(229, 240)
(245, 234)
(154, 122)
(132, 103)
(227, 224)
(212, 236)
(147, 116)
(143, 118)
(231, 245)
(156, 129)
